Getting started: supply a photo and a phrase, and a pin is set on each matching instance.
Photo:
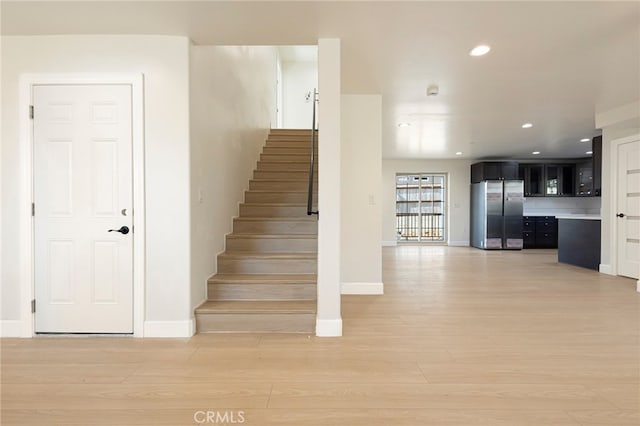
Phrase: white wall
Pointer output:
(164, 61)
(298, 78)
(361, 179)
(459, 176)
(232, 103)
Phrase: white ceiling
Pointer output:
(551, 64)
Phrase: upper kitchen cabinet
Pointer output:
(597, 165)
(584, 178)
(533, 177)
(559, 180)
(494, 170)
(589, 172)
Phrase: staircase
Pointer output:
(266, 280)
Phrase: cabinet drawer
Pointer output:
(546, 239)
(544, 218)
(546, 226)
(528, 239)
(528, 225)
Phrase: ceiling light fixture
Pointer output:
(480, 50)
(527, 125)
(585, 140)
(536, 152)
(589, 152)
(404, 124)
(458, 153)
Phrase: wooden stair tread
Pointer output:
(273, 236)
(286, 160)
(264, 278)
(274, 256)
(273, 191)
(276, 219)
(257, 307)
(277, 204)
(279, 180)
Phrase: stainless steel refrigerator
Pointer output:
(496, 214)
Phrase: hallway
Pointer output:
(461, 336)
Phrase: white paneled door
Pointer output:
(628, 214)
(83, 208)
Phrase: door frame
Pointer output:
(615, 144)
(26, 194)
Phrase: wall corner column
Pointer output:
(329, 319)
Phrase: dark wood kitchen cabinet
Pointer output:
(589, 172)
(533, 177)
(584, 179)
(540, 232)
(596, 147)
(494, 170)
(559, 180)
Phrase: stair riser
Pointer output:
(275, 197)
(289, 175)
(296, 136)
(272, 245)
(289, 144)
(284, 158)
(274, 228)
(268, 185)
(302, 166)
(230, 291)
(256, 323)
(288, 151)
(266, 266)
(272, 211)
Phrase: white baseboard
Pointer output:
(362, 288)
(389, 243)
(11, 328)
(328, 328)
(169, 328)
(459, 243)
(605, 269)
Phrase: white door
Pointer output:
(628, 214)
(82, 190)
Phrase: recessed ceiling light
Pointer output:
(480, 50)
(527, 125)
(458, 153)
(404, 124)
(536, 152)
(585, 140)
(589, 152)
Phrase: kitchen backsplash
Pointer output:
(550, 206)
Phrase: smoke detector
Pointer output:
(433, 90)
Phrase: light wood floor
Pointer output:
(461, 337)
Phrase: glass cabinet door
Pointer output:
(535, 180)
(551, 180)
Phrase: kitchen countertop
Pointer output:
(578, 216)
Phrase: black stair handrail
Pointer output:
(312, 160)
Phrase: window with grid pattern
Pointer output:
(420, 207)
